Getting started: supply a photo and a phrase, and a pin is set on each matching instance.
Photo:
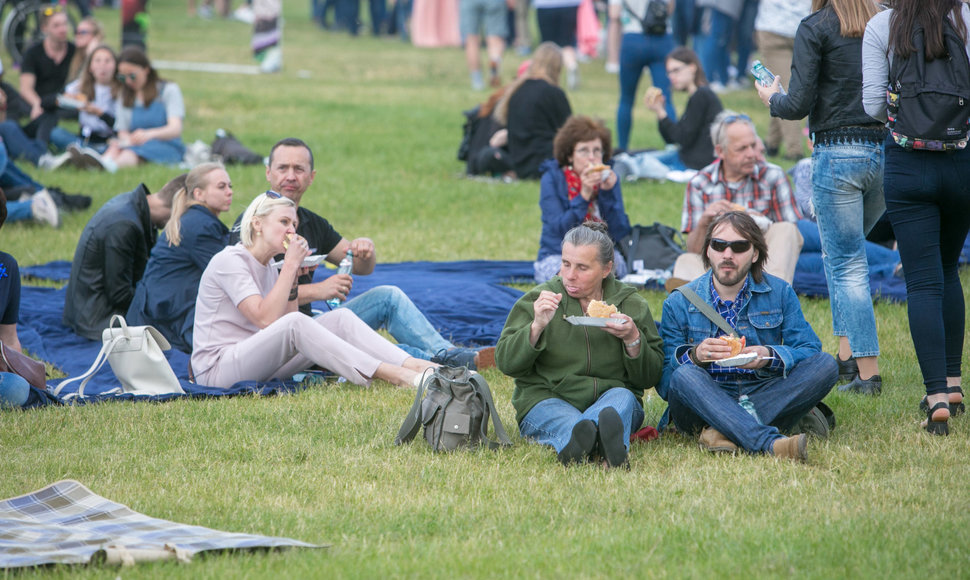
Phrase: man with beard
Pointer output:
(741, 401)
(740, 179)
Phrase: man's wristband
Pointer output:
(632, 344)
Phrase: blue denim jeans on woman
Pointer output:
(848, 199)
(715, 46)
(696, 400)
(928, 199)
(551, 421)
(636, 52)
(390, 308)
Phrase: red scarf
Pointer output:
(574, 184)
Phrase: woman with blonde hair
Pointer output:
(847, 171)
(533, 109)
(87, 36)
(248, 326)
(165, 296)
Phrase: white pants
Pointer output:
(338, 341)
(784, 245)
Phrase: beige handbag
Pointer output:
(136, 356)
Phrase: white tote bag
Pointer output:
(136, 355)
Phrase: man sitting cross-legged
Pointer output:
(790, 373)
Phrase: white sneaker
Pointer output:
(52, 162)
(44, 210)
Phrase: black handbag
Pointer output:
(654, 21)
(653, 247)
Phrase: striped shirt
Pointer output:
(765, 191)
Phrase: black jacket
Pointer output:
(109, 260)
(826, 77)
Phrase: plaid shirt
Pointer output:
(765, 191)
(729, 310)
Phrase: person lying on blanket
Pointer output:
(290, 172)
(13, 388)
(248, 327)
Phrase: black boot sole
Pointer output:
(580, 444)
(611, 438)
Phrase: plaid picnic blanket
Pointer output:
(67, 523)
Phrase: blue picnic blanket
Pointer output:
(467, 301)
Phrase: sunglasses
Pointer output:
(83, 32)
(52, 10)
(737, 246)
(273, 194)
(127, 77)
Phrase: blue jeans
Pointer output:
(882, 261)
(847, 194)
(390, 308)
(715, 46)
(638, 51)
(551, 421)
(13, 390)
(683, 21)
(928, 199)
(744, 36)
(697, 400)
(19, 145)
(11, 176)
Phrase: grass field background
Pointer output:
(880, 498)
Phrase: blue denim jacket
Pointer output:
(772, 317)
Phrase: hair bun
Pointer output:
(597, 226)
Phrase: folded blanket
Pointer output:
(67, 523)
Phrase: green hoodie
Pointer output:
(577, 363)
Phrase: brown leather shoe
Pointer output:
(673, 283)
(795, 447)
(485, 359)
(712, 440)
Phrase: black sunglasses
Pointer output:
(737, 246)
(273, 194)
(130, 77)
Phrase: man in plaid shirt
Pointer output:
(740, 179)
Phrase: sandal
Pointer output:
(936, 419)
(956, 407)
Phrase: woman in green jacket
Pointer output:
(580, 388)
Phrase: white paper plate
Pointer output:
(736, 360)
(592, 320)
(308, 262)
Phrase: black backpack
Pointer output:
(929, 101)
(654, 21)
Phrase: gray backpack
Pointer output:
(454, 406)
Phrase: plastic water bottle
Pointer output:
(346, 265)
(748, 406)
(764, 76)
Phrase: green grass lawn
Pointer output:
(880, 498)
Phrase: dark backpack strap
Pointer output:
(482, 387)
(412, 422)
(707, 310)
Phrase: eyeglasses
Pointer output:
(80, 32)
(52, 10)
(737, 246)
(587, 152)
(273, 194)
(676, 69)
(128, 77)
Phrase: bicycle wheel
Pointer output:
(21, 27)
